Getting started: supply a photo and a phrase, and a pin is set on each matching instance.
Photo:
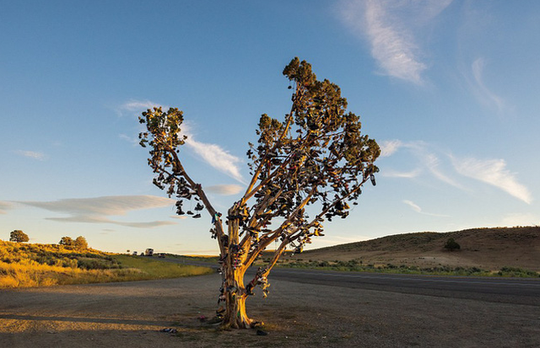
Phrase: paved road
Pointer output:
(501, 290)
(516, 291)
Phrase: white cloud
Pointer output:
(217, 157)
(390, 29)
(492, 172)
(133, 140)
(136, 106)
(96, 210)
(432, 163)
(40, 156)
(214, 155)
(393, 49)
(447, 168)
(411, 204)
(395, 174)
(180, 217)
(427, 160)
(389, 147)
(486, 96)
(101, 220)
(4, 206)
(226, 190)
(419, 210)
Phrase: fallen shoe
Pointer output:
(169, 330)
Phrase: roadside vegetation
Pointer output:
(358, 266)
(31, 265)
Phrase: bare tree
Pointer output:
(305, 169)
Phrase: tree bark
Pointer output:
(235, 316)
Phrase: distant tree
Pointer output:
(315, 160)
(66, 241)
(80, 243)
(18, 236)
(452, 245)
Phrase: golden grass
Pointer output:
(32, 265)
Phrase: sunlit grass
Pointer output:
(31, 265)
(159, 269)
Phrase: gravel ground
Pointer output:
(132, 314)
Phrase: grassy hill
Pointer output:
(29, 265)
(484, 248)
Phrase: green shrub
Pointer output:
(452, 245)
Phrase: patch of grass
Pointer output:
(203, 258)
(516, 272)
(159, 269)
(31, 265)
(355, 266)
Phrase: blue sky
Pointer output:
(449, 89)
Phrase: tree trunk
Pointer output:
(235, 316)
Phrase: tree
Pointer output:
(80, 243)
(305, 169)
(18, 236)
(452, 245)
(66, 241)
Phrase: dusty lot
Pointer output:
(132, 315)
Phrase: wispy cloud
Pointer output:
(393, 49)
(215, 155)
(390, 29)
(389, 147)
(419, 210)
(448, 168)
(97, 210)
(427, 161)
(226, 190)
(135, 106)
(134, 140)
(492, 172)
(104, 220)
(4, 206)
(484, 94)
(40, 156)
(432, 163)
(395, 174)
(411, 204)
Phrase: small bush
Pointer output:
(452, 245)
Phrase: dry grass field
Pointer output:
(484, 248)
(31, 265)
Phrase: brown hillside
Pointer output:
(486, 248)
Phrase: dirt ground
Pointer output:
(132, 314)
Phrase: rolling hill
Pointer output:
(485, 248)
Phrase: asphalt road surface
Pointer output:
(524, 291)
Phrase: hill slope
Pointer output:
(29, 265)
(486, 248)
